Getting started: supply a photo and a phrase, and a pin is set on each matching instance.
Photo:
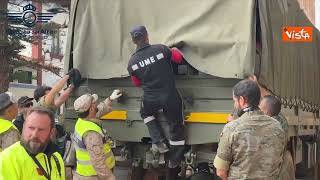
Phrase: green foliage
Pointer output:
(14, 48)
(18, 33)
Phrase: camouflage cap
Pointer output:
(83, 103)
(6, 99)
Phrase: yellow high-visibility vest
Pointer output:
(84, 165)
(17, 164)
(5, 125)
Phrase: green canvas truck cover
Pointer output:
(290, 70)
(219, 37)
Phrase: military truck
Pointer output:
(223, 41)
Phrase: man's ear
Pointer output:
(253, 77)
(91, 110)
(242, 101)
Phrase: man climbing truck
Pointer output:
(159, 92)
(222, 41)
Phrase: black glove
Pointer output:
(72, 71)
(74, 77)
(178, 45)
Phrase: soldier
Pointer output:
(94, 156)
(271, 106)
(151, 67)
(9, 134)
(47, 96)
(250, 147)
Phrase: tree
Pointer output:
(10, 46)
(4, 46)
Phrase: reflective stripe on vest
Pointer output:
(84, 165)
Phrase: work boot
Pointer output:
(160, 147)
(172, 174)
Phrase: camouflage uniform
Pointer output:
(95, 146)
(284, 123)
(251, 147)
(8, 138)
(9, 134)
(287, 171)
(43, 103)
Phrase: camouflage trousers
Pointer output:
(287, 171)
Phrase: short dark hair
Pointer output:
(40, 91)
(43, 110)
(83, 114)
(249, 90)
(25, 101)
(139, 40)
(273, 105)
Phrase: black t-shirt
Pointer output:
(18, 122)
(151, 64)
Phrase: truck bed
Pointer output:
(207, 102)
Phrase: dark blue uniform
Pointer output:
(151, 64)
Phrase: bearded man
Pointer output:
(32, 157)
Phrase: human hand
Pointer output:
(115, 94)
